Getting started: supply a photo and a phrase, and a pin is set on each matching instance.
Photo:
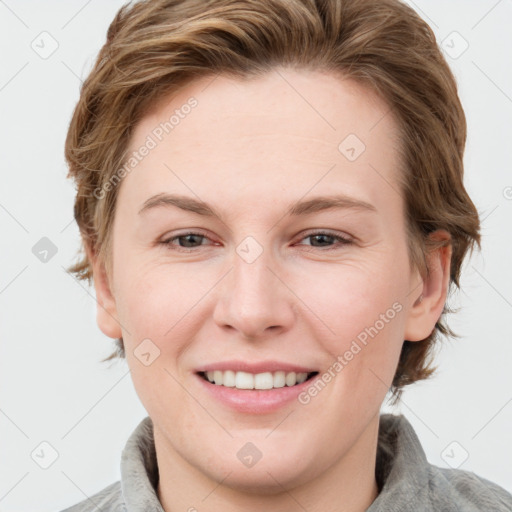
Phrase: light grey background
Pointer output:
(52, 386)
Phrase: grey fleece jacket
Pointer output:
(406, 480)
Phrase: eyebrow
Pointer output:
(313, 205)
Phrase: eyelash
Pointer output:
(340, 239)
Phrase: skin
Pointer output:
(251, 149)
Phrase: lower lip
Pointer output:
(255, 401)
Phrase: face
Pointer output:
(264, 284)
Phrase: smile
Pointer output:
(265, 380)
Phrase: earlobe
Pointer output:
(106, 310)
(428, 302)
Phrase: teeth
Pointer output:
(290, 379)
(263, 381)
(228, 379)
(279, 379)
(245, 380)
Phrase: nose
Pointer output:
(254, 299)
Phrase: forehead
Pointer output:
(288, 132)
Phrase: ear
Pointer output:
(106, 310)
(427, 303)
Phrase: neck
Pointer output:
(348, 486)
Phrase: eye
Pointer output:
(190, 240)
(332, 240)
(193, 240)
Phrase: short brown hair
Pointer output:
(154, 47)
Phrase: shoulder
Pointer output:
(467, 490)
(408, 481)
(109, 499)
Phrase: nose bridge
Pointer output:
(253, 298)
(252, 279)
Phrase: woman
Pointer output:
(272, 207)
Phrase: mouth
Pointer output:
(255, 381)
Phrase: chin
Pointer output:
(269, 479)
(269, 475)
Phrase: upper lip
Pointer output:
(255, 367)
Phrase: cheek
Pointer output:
(364, 311)
(152, 299)
(155, 307)
(350, 298)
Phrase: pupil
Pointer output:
(188, 237)
(322, 237)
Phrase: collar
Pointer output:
(402, 469)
